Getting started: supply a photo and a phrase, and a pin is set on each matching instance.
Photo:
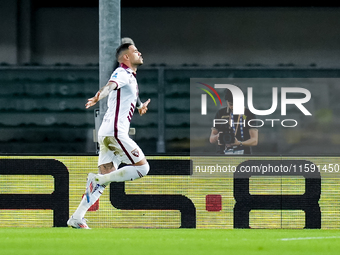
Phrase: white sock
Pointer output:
(126, 173)
(84, 205)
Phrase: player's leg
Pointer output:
(126, 173)
(77, 219)
(107, 162)
(93, 190)
(130, 154)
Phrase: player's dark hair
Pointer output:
(121, 48)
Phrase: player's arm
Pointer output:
(102, 93)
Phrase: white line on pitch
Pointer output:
(309, 238)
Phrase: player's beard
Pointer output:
(140, 62)
(137, 64)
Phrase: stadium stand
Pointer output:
(42, 108)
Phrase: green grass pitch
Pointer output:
(21, 241)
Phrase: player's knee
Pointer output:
(146, 168)
(107, 168)
(143, 169)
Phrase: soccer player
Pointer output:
(114, 142)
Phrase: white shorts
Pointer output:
(118, 150)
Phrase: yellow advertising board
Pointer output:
(192, 192)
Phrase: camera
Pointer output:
(227, 137)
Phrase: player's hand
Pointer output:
(92, 101)
(144, 108)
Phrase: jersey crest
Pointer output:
(135, 152)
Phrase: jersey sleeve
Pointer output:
(120, 77)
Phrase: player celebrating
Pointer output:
(115, 144)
